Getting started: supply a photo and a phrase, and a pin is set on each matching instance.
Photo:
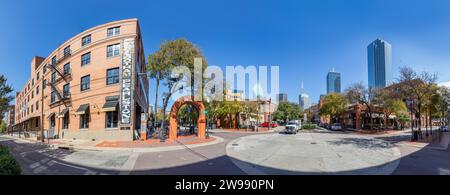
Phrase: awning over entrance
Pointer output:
(63, 113)
(82, 109)
(111, 104)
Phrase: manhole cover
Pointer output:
(235, 145)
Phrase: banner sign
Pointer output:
(126, 82)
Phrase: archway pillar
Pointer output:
(173, 121)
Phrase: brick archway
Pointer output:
(201, 123)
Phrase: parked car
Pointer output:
(336, 127)
(444, 128)
(266, 124)
(292, 127)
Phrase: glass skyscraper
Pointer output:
(379, 55)
(333, 82)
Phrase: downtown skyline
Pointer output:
(301, 37)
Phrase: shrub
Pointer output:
(8, 165)
(3, 127)
(309, 126)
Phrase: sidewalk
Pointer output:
(152, 145)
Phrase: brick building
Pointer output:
(93, 86)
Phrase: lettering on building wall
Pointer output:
(126, 82)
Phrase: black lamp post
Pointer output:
(162, 136)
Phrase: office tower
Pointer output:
(282, 97)
(333, 82)
(379, 55)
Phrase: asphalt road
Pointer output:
(39, 159)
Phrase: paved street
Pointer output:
(36, 158)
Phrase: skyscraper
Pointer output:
(282, 97)
(379, 55)
(333, 82)
(304, 101)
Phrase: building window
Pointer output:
(37, 90)
(112, 76)
(86, 40)
(112, 119)
(32, 94)
(44, 84)
(53, 77)
(85, 83)
(53, 97)
(37, 105)
(67, 51)
(113, 50)
(37, 123)
(66, 90)
(45, 69)
(113, 31)
(84, 120)
(38, 76)
(54, 60)
(32, 82)
(66, 121)
(32, 108)
(86, 59)
(67, 68)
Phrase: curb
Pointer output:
(149, 150)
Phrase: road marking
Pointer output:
(128, 166)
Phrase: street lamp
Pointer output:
(162, 136)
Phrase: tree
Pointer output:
(287, 111)
(358, 93)
(415, 87)
(173, 54)
(333, 105)
(390, 104)
(403, 118)
(5, 97)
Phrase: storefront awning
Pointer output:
(63, 113)
(82, 109)
(111, 104)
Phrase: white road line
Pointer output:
(128, 166)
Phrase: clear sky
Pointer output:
(305, 38)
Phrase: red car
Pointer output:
(266, 124)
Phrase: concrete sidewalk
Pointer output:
(94, 145)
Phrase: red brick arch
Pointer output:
(201, 123)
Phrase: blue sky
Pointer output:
(305, 38)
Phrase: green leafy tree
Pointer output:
(5, 97)
(287, 111)
(173, 54)
(333, 105)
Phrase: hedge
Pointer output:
(309, 126)
(8, 165)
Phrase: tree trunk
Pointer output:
(156, 104)
(426, 123)
(431, 122)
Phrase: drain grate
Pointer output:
(235, 145)
(313, 143)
